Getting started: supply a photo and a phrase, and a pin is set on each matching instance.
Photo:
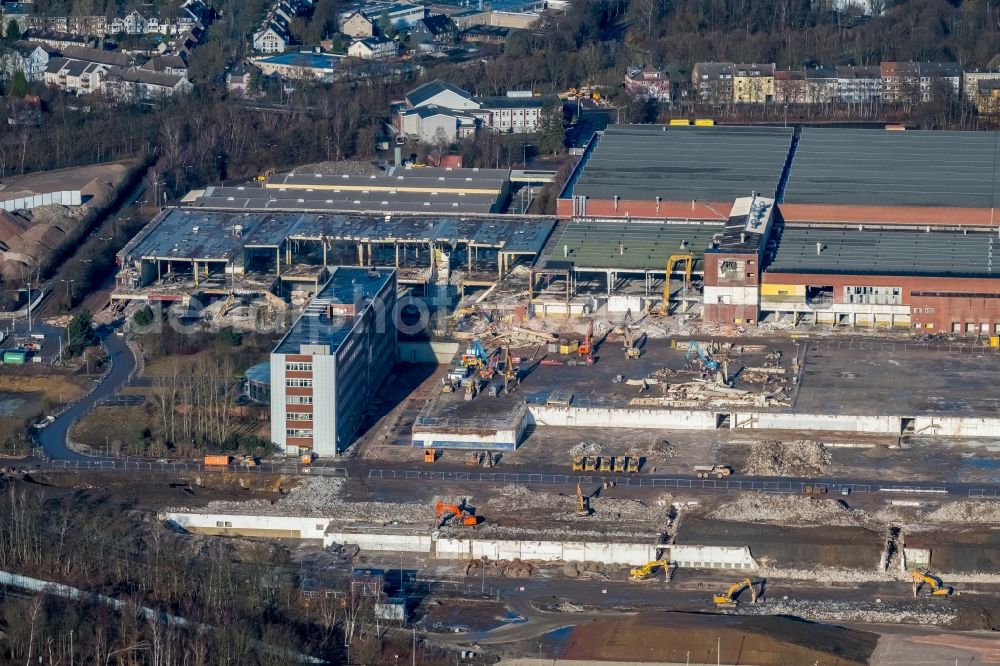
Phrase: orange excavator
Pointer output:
(443, 512)
(587, 346)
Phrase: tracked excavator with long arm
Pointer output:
(937, 588)
(728, 599)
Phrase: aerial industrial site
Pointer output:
(744, 373)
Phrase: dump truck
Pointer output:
(430, 455)
(632, 465)
(578, 463)
(217, 460)
(606, 464)
(619, 464)
(718, 471)
(590, 464)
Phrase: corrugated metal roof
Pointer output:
(882, 168)
(885, 252)
(684, 163)
(632, 245)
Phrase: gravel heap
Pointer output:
(774, 458)
(980, 513)
(796, 509)
(586, 449)
(655, 452)
(856, 611)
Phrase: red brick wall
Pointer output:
(729, 314)
(792, 212)
(751, 269)
(946, 310)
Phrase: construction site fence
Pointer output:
(652, 482)
(182, 466)
(876, 345)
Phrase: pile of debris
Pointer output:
(562, 506)
(321, 497)
(515, 568)
(797, 509)
(981, 513)
(656, 452)
(587, 449)
(588, 569)
(856, 611)
(774, 458)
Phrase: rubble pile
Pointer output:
(657, 451)
(763, 508)
(774, 458)
(562, 506)
(855, 611)
(586, 449)
(967, 512)
(320, 497)
(515, 568)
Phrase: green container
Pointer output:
(15, 356)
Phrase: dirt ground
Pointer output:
(23, 389)
(681, 637)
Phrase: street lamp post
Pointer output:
(524, 154)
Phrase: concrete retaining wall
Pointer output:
(712, 557)
(546, 551)
(956, 426)
(603, 417)
(65, 197)
(407, 543)
(835, 422)
(239, 525)
(440, 353)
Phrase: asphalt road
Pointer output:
(53, 438)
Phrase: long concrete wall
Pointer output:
(712, 557)
(597, 417)
(546, 551)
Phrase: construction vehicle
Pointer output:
(707, 361)
(686, 259)
(605, 464)
(727, 599)
(718, 471)
(619, 464)
(307, 458)
(262, 178)
(924, 577)
(567, 347)
(647, 571)
(577, 463)
(631, 351)
(475, 356)
(818, 489)
(590, 464)
(582, 503)
(510, 373)
(447, 385)
(442, 512)
(246, 461)
(475, 459)
(632, 466)
(430, 455)
(586, 347)
(471, 390)
(491, 367)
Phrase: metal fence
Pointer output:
(124, 465)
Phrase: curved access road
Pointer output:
(53, 438)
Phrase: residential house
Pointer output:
(56, 40)
(271, 39)
(88, 25)
(971, 79)
(821, 85)
(900, 82)
(135, 83)
(753, 84)
(434, 28)
(29, 58)
(110, 58)
(238, 80)
(648, 82)
(135, 23)
(358, 25)
(167, 64)
(988, 97)
(712, 82)
(486, 34)
(433, 124)
(75, 76)
(116, 26)
(859, 85)
(790, 86)
(373, 48)
(947, 74)
(439, 105)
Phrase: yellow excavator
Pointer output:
(647, 570)
(921, 578)
(686, 260)
(582, 503)
(727, 599)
